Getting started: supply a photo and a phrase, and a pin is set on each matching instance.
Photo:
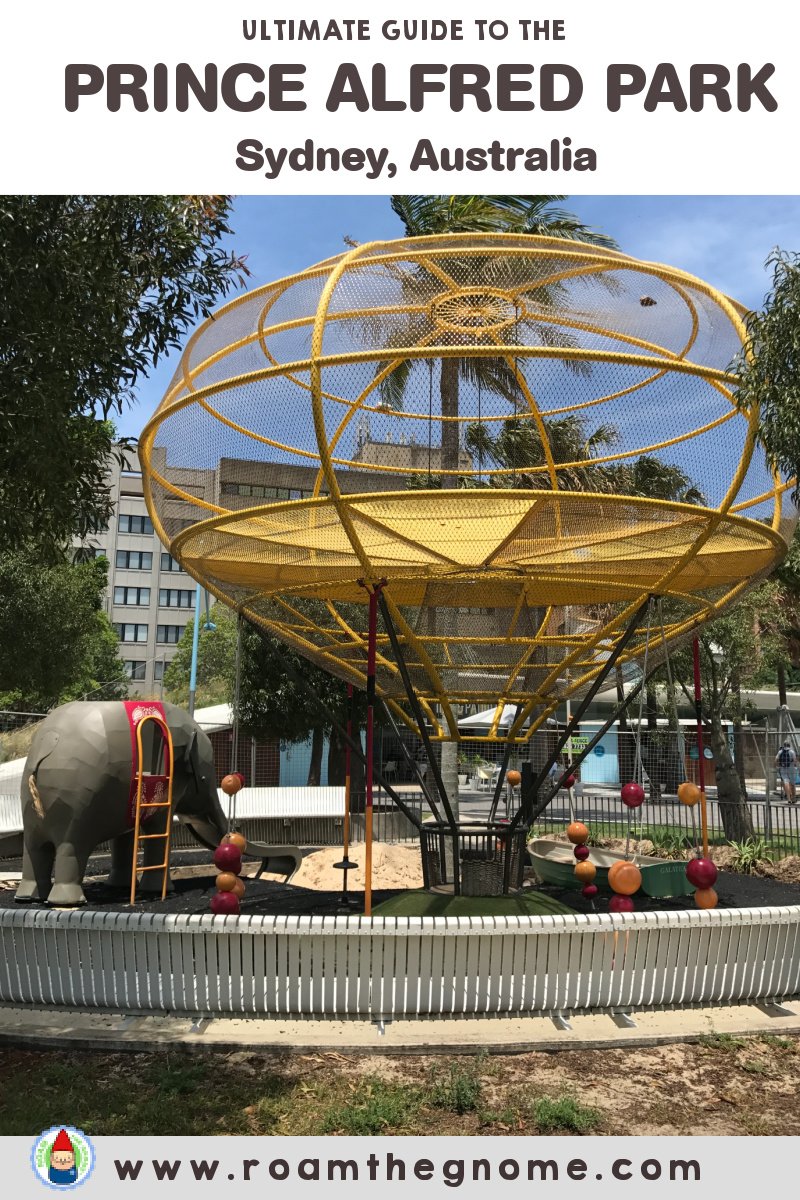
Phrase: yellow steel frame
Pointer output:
(311, 561)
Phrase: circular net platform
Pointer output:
(524, 437)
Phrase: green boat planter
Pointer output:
(554, 862)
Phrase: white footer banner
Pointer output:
(468, 1166)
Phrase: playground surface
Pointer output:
(195, 875)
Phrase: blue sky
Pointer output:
(723, 239)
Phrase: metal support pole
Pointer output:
(346, 865)
(576, 762)
(566, 736)
(423, 732)
(501, 778)
(372, 639)
(417, 711)
(195, 648)
(698, 708)
(412, 763)
(299, 678)
(347, 768)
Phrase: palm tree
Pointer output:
(426, 215)
(519, 445)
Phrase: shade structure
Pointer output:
(525, 437)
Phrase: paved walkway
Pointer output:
(60, 1030)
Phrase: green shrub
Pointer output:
(458, 1091)
(564, 1115)
(376, 1107)
(749, 853)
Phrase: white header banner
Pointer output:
(357, 97)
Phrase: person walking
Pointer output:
(786, 762)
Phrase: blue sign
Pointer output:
(694, 752)
(599, 751)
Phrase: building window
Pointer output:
(168, 563)
(131, 595)
(135, 668)
(175, 597)
(257, 491)
(169, 635)
(135, 560)
(130, 633)
(159, 667)
(132, 523)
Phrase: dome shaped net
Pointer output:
(525, 437)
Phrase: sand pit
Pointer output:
(392, 867)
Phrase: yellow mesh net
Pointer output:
(525, 437)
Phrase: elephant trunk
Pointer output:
(211, 829)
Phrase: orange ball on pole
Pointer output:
(624, 878)
(578, 833)
(513, 778)
(235, 839)
(706, 898)
(231, 784)
(238, 889)
(585, 871)
(226, 882)
(688, 793)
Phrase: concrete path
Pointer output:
(55, 1029)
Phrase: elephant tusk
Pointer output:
(37, 799)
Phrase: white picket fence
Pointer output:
(380, 968)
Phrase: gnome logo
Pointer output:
(63, 1157)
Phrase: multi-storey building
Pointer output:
(149, 598)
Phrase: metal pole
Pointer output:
(195, 647)
(600, 678)
(698, 708)
(372, 639)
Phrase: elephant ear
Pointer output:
(46, 745)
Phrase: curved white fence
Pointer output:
(347, 967)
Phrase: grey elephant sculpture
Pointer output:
(76, 790)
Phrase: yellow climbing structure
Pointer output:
(525, 437)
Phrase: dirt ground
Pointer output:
(719, 1086)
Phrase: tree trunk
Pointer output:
(652, 748)
(315, 766)
(449, 770)
(335, 759)
(738, 733)
(448, 390)
(734, 813)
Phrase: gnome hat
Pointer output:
(63, 1143)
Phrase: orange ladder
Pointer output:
(149, 805)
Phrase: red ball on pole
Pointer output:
(620, 904)
(701, 873)
(228, 857)
(581, 853)
(589, 891)
(633, 795)
(569, 782)
(225, 904)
